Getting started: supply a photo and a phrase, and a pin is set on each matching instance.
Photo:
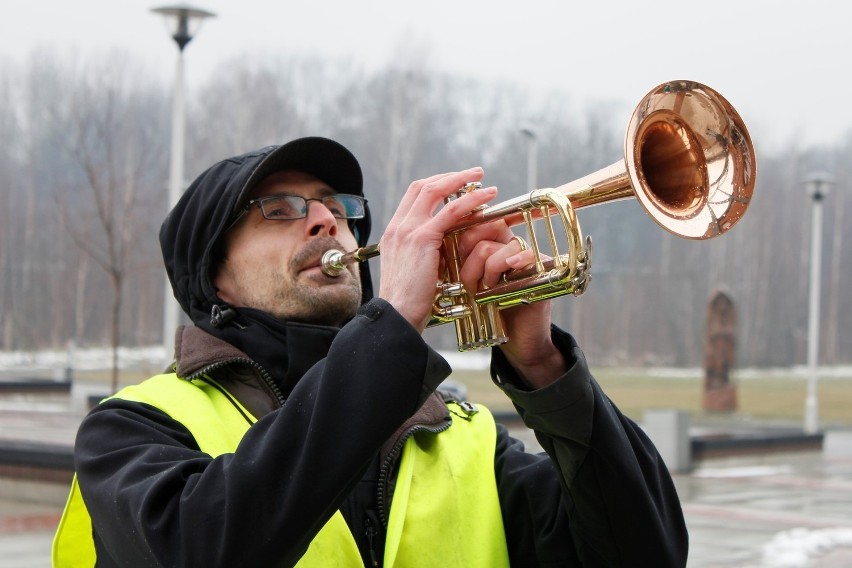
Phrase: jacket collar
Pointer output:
(196, 350)
(284, 350)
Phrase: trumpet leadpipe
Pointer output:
(334, 262)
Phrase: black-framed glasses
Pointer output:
(289, 207)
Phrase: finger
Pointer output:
(413, 191)
(494, 231)
(474, 265)
(487, 262)
(430, 192)
(521, 260)
(511, 256)
(447, 216)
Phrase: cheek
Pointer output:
(258, 254)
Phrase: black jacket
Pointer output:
(330, 400)
(602, 498)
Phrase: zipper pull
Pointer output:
(469, 408)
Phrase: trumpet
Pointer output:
(689, 162)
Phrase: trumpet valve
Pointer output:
(468, 187)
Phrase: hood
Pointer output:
(191, 238)
(192, 233)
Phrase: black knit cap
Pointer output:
(322, 158)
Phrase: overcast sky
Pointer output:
(784, 64)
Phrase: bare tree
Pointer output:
(105, 128)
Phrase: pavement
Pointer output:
(763, 509)
(774, 510)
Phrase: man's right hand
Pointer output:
(411, 243)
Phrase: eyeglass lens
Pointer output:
(342, 206)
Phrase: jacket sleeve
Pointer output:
(156, 500)
(616, 492)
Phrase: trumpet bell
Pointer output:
(690, 160)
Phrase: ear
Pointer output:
(219, 279)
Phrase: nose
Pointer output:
(319, 220)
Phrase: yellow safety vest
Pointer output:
(445, 509)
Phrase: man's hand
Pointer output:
(490, 250)
(411, 263)
(411, 244)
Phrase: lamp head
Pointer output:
(183, 21)
(818, 185)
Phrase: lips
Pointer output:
(310, 256)
(312, 266)
(315, 263)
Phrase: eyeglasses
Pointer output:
(288, 207)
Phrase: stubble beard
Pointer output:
(314, 298)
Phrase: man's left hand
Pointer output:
(488, 252)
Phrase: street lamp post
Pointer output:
(817, 186)
(183, 22)
(532, 158)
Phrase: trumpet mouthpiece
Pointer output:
(331, 264)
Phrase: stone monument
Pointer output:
(720, 395)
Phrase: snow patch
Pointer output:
(796, 548)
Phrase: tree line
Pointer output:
(85, 166)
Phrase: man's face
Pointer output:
(274, 265)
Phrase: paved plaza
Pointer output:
(772, 510)
(779, 510)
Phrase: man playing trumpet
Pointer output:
(301, 425)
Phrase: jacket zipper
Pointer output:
(385, 469)
(264, 375)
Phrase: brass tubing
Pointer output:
(689, 161)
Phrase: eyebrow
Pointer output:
(323, 191)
